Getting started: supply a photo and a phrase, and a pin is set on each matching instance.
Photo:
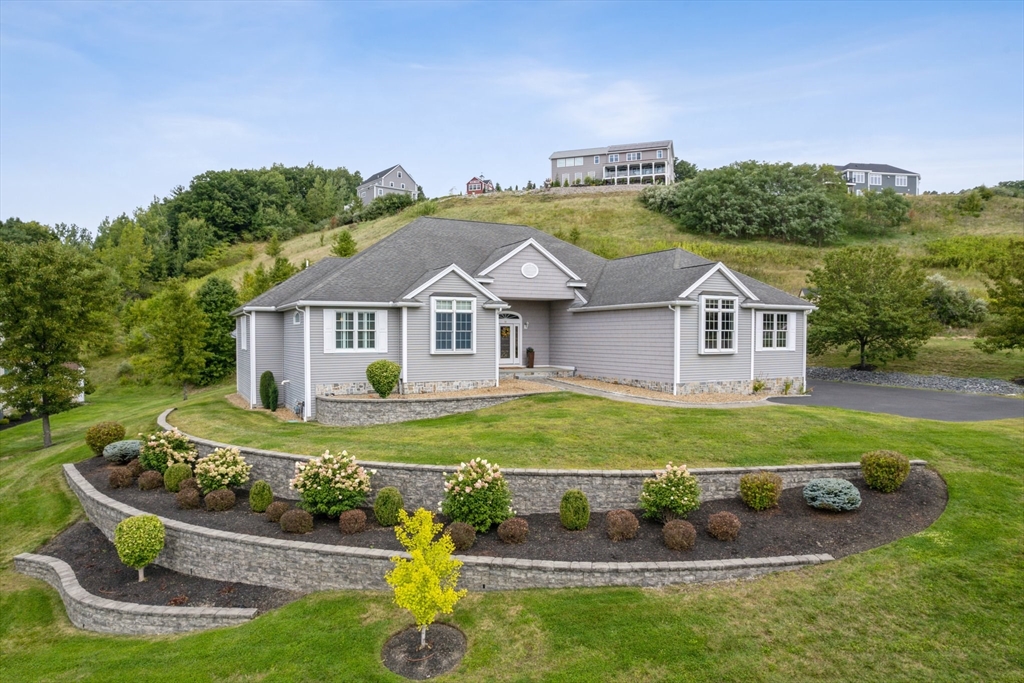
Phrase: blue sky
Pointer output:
(103, 106)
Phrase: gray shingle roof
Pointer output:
(610, 148)
(394, 266)
(879, 168)
(380, 174)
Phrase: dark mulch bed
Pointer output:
(445, 647)
(100, 572)
(793, 528)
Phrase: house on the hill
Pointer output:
(454, 302)
(637, 163)
(394, 180)
(477, 185)
(876, 177)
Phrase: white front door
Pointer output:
(509, 341)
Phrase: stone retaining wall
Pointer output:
(308, 567)
(340, 411)
(93, 613)
(533, 490)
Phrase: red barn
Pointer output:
(479, 186)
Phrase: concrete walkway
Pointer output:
(946, 406)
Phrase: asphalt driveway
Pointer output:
(931, 405)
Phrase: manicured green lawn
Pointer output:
(950, 356)
(943, 605)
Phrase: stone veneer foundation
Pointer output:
(775, 385)
(93, 613)
(308, 567)
(341, 411)
(533, 490)
(356, 388)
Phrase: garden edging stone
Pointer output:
(309, 567)
(93, 613)
(533, 490)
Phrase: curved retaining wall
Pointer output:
(341, 411)
(309, 567)
(93, 613)
(533, 490)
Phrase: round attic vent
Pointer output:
(530, 270)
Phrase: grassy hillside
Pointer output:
(614, 225)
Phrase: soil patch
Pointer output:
(100, 572)
(445, 647)
(793, 528)
(282, 413)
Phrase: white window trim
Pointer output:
(735, 331)
(872, 177)
(858, 176)
(297, 317)
(433, 327)
(399, 174)
(660, 154)
(597, 159)
(790, 332)
(901, 181)
(613, 158)
(380, 330)
(244, 332)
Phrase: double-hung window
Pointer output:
(775, 332)
(901, 181)
(634, 156)
(454, 325)
(243, 331)
(597, 160)
(355, 331)
(660, 154)
(613, 158)
(874, 179)
(718, 324)
(858, 176)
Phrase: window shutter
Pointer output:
(791, 335)
(382, 331)
(759, 332)
(329, 325)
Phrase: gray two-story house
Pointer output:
(876, 177)
(456, 302)
(394, 180)
(633, 164)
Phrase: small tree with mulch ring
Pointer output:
(138, 541)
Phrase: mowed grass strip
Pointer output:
(943, 605)
(950, 356)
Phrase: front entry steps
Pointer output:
(538, 372)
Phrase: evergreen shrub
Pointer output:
(260, 496)
(574, 510)
(884, 471)
(268, 391)
(102, 434)
(383, 376)
(833, 494)
(387, 505)
(121, 452)
(139, 540)
(175, 474)
(761, 490)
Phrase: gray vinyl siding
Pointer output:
(649, 154)
(384, 183)
(242, 377)
(535, 314)
(718, 284)
(695, 367)
(294, 361)
(888, 181)
(770, 363)
(442, 367)
(625, 344)
(510, 283)
(337, 368)
(270, 349)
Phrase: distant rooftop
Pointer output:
(879, 168)
(610, 148)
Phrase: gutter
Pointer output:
(625, 307)
(780, 307)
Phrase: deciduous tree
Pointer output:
(178, 333)
(55, 300)
(871, 302)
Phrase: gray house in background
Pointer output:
(456, 302)
(394, 180)
(863, 177)
(633, 164)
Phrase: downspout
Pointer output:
(497, 349)
(307, 397)
(676, 352)
(405, 348)
(753, 340)
(804, 368)
(252, 360)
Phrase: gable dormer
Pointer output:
(528, 271)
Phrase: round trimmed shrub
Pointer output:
(189, 483)
(175, 474)
(352, 521)
(386, 506)
(150, 480)
(188, 498)
(120, 452)
(670, 494)
(383, 376)
(220, 500)
(102, 434)
(260, 496)
(121, 478)
(574, 510)
(276, 509)
(761, 490)
(296, 522)
(621, 525)
(135, 467)
(884, 471)
(833, 494)
(513, 530)
(724, 526)
(139, 540)
(678, 534)
(463, 535)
